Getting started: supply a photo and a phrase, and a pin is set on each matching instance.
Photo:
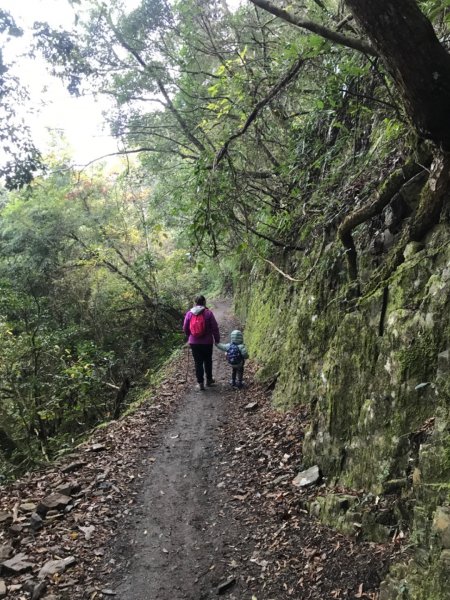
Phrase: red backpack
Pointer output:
(197, 325)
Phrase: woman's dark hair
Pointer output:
(200, 301)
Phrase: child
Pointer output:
(236, 355)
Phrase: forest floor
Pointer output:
(189, 497)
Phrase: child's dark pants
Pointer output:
(237, 372)
(202, 354)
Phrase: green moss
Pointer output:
(418, 580)
(419, 360)
(359, 373)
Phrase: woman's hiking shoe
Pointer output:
(233, 383)
(201, 387)
(239, 385)
(210, 382)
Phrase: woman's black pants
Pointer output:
(202, 354)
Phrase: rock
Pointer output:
(53, 502)
(280, 478)
(38, 590)
(68, 488)
(443, 364)
(14, 587)
(387, 239)
(88, 531)
(5, 517)
(308, 477)
(395, 212)
(444, 559)
(27, 507)
(15, 529)
(224, 586)
(411, 249)
(251, 406)
(18, 564)
(97, 448)
(108, 592)
(441, 525)
(2, 588)
(5, 551)
(74, 466)
(36, 522)
(52, 567)
(105, 485)
(394, 486)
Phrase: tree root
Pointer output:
(379, 201)
(433, 196)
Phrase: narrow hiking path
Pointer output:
(210, 520)
(181, 542)
(188, 497)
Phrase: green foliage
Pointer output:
(436, 10)
(235, 165)
(19, 158)
(92, 291)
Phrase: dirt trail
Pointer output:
(216, 512)
(181, 543)
(189, 496)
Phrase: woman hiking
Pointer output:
(201, 330)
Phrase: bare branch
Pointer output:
(290, 75)
(137, 151)
(184, 126)
(328, 34)
(266, 237)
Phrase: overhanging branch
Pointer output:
(139, 150)
(328, 34)
(290, 75)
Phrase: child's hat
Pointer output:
(237, 337)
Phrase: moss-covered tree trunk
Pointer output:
(405, 40)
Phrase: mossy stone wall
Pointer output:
(376, 374)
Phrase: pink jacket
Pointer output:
(212, 329)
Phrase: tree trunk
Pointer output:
(7, 444)
(405, 40)
(121, 394)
